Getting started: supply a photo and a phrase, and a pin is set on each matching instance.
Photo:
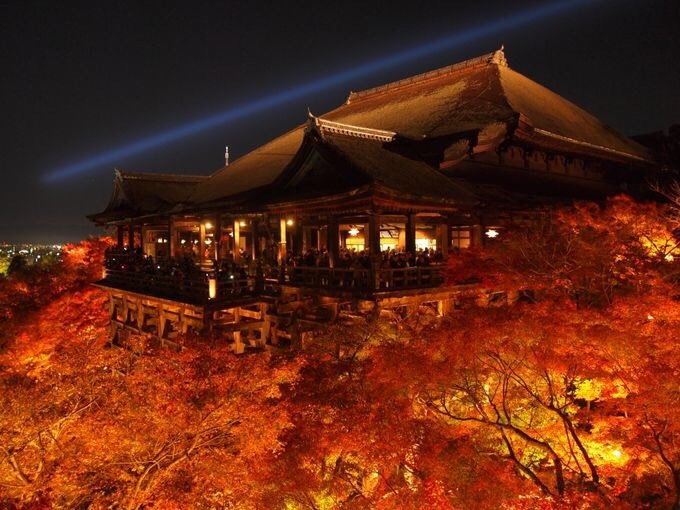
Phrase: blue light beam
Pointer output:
(279, 98)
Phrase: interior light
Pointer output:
(491, 233)
(353, 231)
(208, 225)
(289, 222)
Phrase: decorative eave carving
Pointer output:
(323, 127)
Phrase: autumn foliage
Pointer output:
(564, 394)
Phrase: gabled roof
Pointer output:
(471, 98)
(141, 193)
(336, 158)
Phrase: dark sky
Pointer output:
(77, 79)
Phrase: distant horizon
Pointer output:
(60, 234)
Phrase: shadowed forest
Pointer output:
(561, 393)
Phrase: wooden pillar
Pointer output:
(374, 248)
(142, 244)
(201, 241)
(237, 241)
(239, 346)
(131, 236)
(476, 239)
(411, 233)
(333, 239)
(217, 238)
(255, 239)
(374, 234)
(306, 238)
(297, 236)
(120, 242)
(172, 237)
(282, 244)
(443, 238)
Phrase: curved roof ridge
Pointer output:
(158, 176)
(494, 58)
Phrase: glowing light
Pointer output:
(669, 257)
(290, 222)
(212, 288)
(242, 223)
(208, 225)
(183, 241)
(650, 317)
(413, 54)
(353, 231)
(617, 454)
(208, 242)
(491, 233)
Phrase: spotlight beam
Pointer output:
(306, 89)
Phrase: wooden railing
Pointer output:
(124, 272)
(363, 279)
(192, 289)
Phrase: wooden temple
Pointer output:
(357, 210)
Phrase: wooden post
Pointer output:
(476, 239)
(131, 236)
(239, 347)
(411, 233)
(333, 240)
(374, 234)
(256, 240)
(217, 239)
(172, 237)
(121, 237)
(306, 238)
(142, 243)
(374, 248)
(443, 240)
(297, 236)
(201, 241)
(282, 244)
(237, 241)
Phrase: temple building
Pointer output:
(358, 208)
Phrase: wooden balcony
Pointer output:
(203, 288)
(367, 280)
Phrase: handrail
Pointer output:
(361, 278)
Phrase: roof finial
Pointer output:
(498, 57)
(226, 156)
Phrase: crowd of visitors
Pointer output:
(389, 259)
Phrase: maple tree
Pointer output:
(568, 399)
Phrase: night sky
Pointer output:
(78, 79)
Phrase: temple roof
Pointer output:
(465, 99)
(336, 158)
(141, 193)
